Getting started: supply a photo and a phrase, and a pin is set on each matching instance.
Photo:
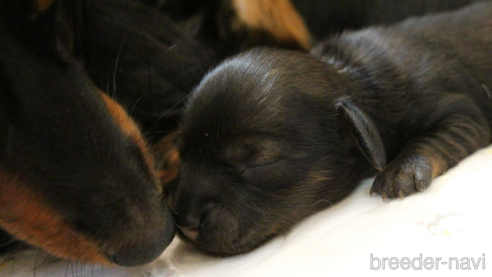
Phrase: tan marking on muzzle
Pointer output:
(24, 214)
(130, 128)
(277, 17)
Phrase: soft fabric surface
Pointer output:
(450, 221)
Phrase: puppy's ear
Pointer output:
(365, 133)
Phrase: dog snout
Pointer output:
(141, 229)
(140, 252)
(145, 246)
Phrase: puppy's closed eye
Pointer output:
(254, 151)
(260, 162)
(266, 175)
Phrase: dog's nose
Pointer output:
(133, 255)
(145, 244)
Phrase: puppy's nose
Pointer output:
(190, 225)
(191, 233)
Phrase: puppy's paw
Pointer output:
(403, 177)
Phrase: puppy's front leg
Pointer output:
(450, 127)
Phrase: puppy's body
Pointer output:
(269, 137)
(325, 17)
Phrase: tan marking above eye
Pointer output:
(277, 17)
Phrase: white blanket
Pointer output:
(444, 231)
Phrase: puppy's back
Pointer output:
(450, 52)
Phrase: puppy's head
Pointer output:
(267, 139)
(76, 178)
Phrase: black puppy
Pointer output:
(324, 17)
(76, 177)
(270, 137)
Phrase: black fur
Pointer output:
(58, 139)
(215, 19)
(271, 136)
(141, 57)
(337, 16)
(150, 54)
(149, 61)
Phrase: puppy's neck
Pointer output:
(381, 87)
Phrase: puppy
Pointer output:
(271, 136)
(76, 177)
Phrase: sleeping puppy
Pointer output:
(271, 136)
(76, 177)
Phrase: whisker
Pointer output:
(116, 64)
(484, 86)
(163, 114)
(321, 201)
(162, 54)
(135, 104)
